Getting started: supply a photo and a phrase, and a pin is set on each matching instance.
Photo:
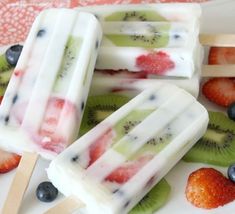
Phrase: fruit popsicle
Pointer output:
(130, 83)
(138, 40)
(116, 163)
(145, 12)
(43, 104)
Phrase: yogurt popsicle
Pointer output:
(43, 104)
(131, 84)
(152, 38)
(116, 163)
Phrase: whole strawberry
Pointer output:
(208, 188)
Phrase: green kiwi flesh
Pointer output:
(5, 74)
(157, 38)
(217, 146)
(154, 199)
(153, 146)
(68, 63)
(98, 108)
(141, 15)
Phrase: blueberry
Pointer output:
(13, 54)
(231, 111)
(41, 33)
(46, 192)
(231, 172)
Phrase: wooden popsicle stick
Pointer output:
(218, 71)
(218, 40)
(67, 206)
(20, 183)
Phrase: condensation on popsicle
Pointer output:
(43, 104)
(115, 164)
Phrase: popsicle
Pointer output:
(130, 83)
(116, 163)
(44, 101)
(151, 38)
(46, 95)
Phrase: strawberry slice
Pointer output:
(100, 146)
(221, 55)
(1, 97)
(208, 188)
(220, 91)
(50, 135)
(155, 63)
(123, 173)
(8, 161)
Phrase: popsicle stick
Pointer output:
(218, 71)
(20, 183)
(218, 40)
(67, 206)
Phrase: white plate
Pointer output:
(218, 17)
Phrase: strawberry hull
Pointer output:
(116, 163)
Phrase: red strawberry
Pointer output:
(155, 63)
(8, 161)
(208, 188)
(220, 91)
(123, 173)
(100, 146)
(221, 55)
(1, 99)
(50, 136)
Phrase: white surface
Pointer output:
(220, 18)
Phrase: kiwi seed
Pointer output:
(98, 108)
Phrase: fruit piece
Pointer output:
(4, 65)
(217, 146)
(154, 199)
(208, 188)
(8, 161)
(69, 59)
(155, 63)
(125, 125)
(231, 111)
(155, 38)
(220, 91)
(231, 172)
(98, 108)
(46, 192)
(48, 137)
(100, 146)
(123, 173)
(13, 54)
(221, 55)
(1, 99)
(5, 74)
(135, 16)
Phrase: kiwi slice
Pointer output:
(154, 199)
(141, 15)
(125, 125)
(98, 108)
(217, 146)
(156, 38)
(5, 74)
(69, 61)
